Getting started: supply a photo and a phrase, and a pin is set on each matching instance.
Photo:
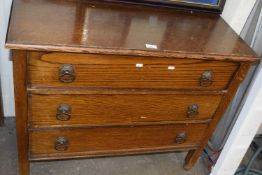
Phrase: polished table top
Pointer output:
(96, 27)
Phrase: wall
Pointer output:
(5, 63)
(235, 13)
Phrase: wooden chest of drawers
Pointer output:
(88, 84)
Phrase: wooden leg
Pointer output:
(19, 71)
(191, 159)
(193, 155)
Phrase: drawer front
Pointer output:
(62, 110)
(110, 71)
(107, 140)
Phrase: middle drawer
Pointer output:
(96, 110)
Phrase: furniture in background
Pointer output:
(248, 169)
(103, 79)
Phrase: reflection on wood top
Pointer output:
(88, 26)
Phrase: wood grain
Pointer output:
(112, 153)
(20, 81)
(193, 155)
(110, 71)
(121, 29)
(114, 91)
(97, 110)
(117, 107)
(95, 141)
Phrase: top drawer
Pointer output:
(68, 70)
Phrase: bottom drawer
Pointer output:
(86, 142)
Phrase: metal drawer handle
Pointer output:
(192, 110)
(63, 112)
(206, 79)
(67, 73)
(61, 144)
(181, 137)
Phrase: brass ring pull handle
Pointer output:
(181, 137)
(67, 73)
(61, 144)
(206, 79)
(192, 110)
(63, 112)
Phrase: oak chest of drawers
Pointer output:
(97, 79)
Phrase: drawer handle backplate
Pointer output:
(67, 73)
(61, 144)
(206, 79)
(192, 110)
(181, 137)
(63, 112)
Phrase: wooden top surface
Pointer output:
(93, 27)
